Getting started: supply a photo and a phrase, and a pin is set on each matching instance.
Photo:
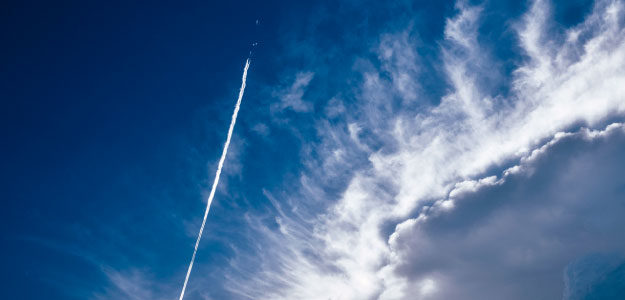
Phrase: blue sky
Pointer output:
(384, 150)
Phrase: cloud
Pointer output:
(595, 276)
(399, 58)
(515, 239)
(292, 96)
(130, 285)
(261, 129)
(403, 158)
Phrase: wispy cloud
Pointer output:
(291, 97)
(413, 157)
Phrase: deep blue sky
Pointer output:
(113, 116)
(101, 104)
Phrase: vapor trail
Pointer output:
(217, 174)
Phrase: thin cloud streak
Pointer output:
(217, 175)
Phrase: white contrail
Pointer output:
(217, 174)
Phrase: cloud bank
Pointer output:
(457, 197)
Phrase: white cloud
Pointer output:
(261, 129)
(397, 52)
(416, 158)
(132, 284)
(292, 96)
(499, 241)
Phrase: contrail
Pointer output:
(217, 174)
